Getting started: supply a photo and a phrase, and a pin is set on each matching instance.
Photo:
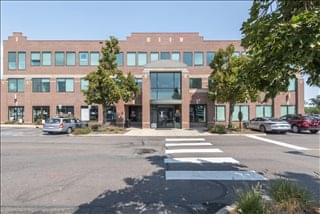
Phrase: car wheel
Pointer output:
(262, 128)
(69, 130)
(314, 131)
(295, 129)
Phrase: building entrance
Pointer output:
(166, 116)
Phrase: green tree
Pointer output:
(316, 101)
(108, 84)
(229, 79)
(283, 39)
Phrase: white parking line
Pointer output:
(279, 143)
(188, 144)
(214, 175)
(184, 139)
(201, 160)
(173, 151)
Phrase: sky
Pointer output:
(97, 20)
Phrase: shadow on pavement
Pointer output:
(301, 153)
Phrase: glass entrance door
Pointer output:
(165, 116)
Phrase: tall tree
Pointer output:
(108, 84)
(229, 79)
(283, 39)
(316, 101)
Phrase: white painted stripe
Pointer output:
(188, 144)
(214, 175)
(173, 151)
(201, 160)
(184, 139)
(279, 143)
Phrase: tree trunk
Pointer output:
(273, 107)
(104, 114)
(231, 109)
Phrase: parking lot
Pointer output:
(68, 174)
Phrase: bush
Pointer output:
(78, 131)
(10, 122)
(95, 127)
(219, 129)
(112, 129)
(250, 202)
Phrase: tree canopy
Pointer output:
(283, 39)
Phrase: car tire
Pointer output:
(69, 130)
(262, 129)
(295, 129)
(314, 131)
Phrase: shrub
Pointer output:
(220, 129)
(95, 127)
(111, 129)
(84, 130)
(10, 122)
(250, 202)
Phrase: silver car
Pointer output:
(265, 124)
(59, 125)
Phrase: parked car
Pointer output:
(300, 123)
(266, 124)
(62, 125)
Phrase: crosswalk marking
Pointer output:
(176, 151)
(214, 175)
(184, 139)
(188, 144)
(201, 160)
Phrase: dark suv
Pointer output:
(299, 123)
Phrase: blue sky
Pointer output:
(100, 19)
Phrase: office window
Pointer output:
(94, 58)
(40, 113)
(198, 58)
(84, 84)
(244, 110)
(165, 85)
(138, 81)
(35, 58)
(15, 85)
(12, 60)
(292, 84)
(59, 58)
(195, 83)
(65, 110)
(210, 56)
(198, 113)
(288, 109)
(16, 113)
(263, 111)
(164, 55)
(119, 59)
(187, 58)
(65, 84)
(22, 60)
(40, 85)
(220, 113)
(131, 59)
(111, 114)
(142, 59)
(46, 58)
(71, 58)
(154, 56)
(175, 56)
(83, 58)
(89, 114)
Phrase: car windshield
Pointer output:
(53, 121)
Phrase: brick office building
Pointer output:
(43, 78)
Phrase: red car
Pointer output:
(300, 123)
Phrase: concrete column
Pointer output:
(4, 103)
(27, 102)
(120, 113)
(300, 96)
(185, 101)
(146, 100)
(53, 91)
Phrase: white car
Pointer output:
(267, 124)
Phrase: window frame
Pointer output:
(41, 79)
(81, 80)
(216, 115)
(65, 80)
(135, 59)
(15, 62)
(40, 61)
(295, 85)
(174, 53)
(184, 58)
(16, 85)
(146, 58)
(194, 56)
(263, 110)
(207, 57)
(55, 58)
(46, 52)
(75, 58)
(90, 54)
(83, 52)
(152, 53)
(120, 56)
(240, 107)
(191, 79)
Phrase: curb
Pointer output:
(19, 126)
(155, 135)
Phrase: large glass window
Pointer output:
(131, 59)
(198, 114)
(119, 59)
(89, 114)
(195, 83)
(83, 58)
(65, 110)
(138, 82)
(40, 85)
(84, 84)
(175, 56)
(16, 85)
(198, 58)
(59, 58)
(46, 58)
(35, 58)
(12, 60)
(210, 56)
(94, 58)
(111, 114)
(292, 84)
(165, 85)
(71, 58)
(154, 56)
(65, 84)
(263, 111)
(40, 113)
(220, 113)
(244, 110)
(16, 113)
(22, 60)
(142, 59)
(187, 58)
(287, 109)
(164, 55)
